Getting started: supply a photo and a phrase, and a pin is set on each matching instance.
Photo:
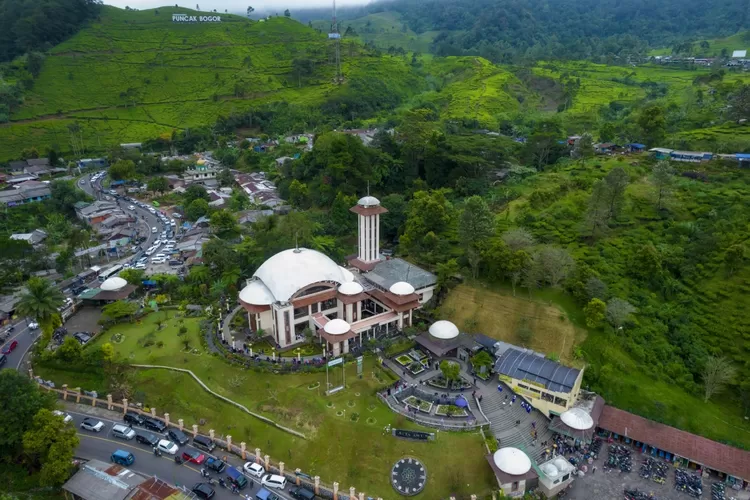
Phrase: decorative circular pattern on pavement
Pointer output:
(408, 476)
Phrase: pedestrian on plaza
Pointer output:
(593, 470)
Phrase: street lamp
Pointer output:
(298, 351)
(274, 354)
(250, 346)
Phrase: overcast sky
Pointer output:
(235, 5)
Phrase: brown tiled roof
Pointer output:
(354, 261)
(716, 456)
(351, 299)
(400, 303)
(377, 209)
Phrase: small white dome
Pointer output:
(401, 288)
(336, 327)
(577, 418)
(444, 330)
(368, 201)
(113, 284)
(351, 288)
(512, 461)
(550, 470)
(561, 464)
(348, 276)
(256, 294)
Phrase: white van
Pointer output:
(273, 481)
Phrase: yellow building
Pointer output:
(549, 386)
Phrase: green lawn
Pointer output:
(338, 449)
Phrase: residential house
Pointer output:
(690, 156)
(13, 197)
(33, 238)
(200, 173)
(635, 147)
(280, 161)
(661, 153)
(252, 216)
(269, 199)
(19, 178)
(604, 148)
(95, 213)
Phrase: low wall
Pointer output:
(223, 445)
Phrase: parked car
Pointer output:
(82, 337)
(167, 446)
(92, 424)
(301, 493)
(195, 457)
(204, 443)
(178, 436)
(123, 432)
(237, 478)
(10, 347)
(203, 490)
(216, 465)
(153, 230)
(3, 359)
(134, 418)
(273, 481)
(66, 418)
(253, 469)
(34, 325)
(264, 494)
(131, 207)
(147, 438)
(154, 424)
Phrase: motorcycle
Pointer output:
(204, 473)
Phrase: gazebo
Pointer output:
(580, 421)
(443, 339)
(513, 470)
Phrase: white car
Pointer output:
(172, 222)
(254, 469)
(66, 418)
(33, 325)
(140, 265)
(167, 446)
(92, 424)
(131, 207)
(273, 481)
(156, 244)
(159, 260)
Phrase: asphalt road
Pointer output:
(101, 445)
(146, 220)
(25, 338)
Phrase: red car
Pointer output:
(193, 456)
(9, 348)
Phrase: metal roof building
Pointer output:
(534, 367)
(97, 480)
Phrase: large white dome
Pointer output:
(351, 288)
(257, 294)
(113, 284)
(336, 327)
(401, 288)
(287, 272)
(577, 418)
(444, 330)
(368, 201)
(512, 461)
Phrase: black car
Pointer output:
(178, 437)
(203, 490)
(147, 438)
(301, 493)
(216, 465)
(154, 424)
(3, 359)
(133, 418)
(204, 443)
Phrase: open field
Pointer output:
(338, 449)
(500, 315)
(740, 41)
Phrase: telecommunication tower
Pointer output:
(336, 37)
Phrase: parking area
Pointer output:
(163, 268)
(85, 319)
(612, 484)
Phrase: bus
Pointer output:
(105, 275)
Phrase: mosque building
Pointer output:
(301, 288)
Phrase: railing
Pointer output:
(457, 427)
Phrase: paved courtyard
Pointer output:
(611, 485)
(85, 319)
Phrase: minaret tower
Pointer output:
(368, 212)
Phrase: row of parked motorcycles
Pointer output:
(620, 457)
(654, 469)
(686, 482)
(639, 495)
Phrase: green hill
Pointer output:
(739, 41)
(133, 75)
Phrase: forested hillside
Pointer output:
(512, 31)
(38, 25)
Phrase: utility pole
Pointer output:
(336, 37)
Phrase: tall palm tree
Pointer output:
(41, 301)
